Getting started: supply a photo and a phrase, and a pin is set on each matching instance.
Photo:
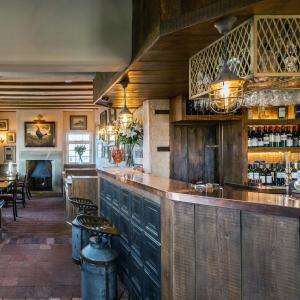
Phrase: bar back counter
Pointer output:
(176, 243)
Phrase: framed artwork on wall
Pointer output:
(3, 124)
(11, 137)
(9, 154)
(78, 122)
(39, 134)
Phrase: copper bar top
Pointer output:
(228, 197)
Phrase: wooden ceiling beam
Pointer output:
(47, 93)
(32, 97)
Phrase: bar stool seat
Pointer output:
(84, 206)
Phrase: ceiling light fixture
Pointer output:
(125, 115)
(226, 92)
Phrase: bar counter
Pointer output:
(229, 196)
(179, 243)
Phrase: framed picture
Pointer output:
(9, 154)
(40, 134)
(103, 119)
(282, 112)
(3, 124)
(78, 122)
(11, 137)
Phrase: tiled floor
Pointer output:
(35, 254)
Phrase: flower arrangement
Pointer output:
(80, 149)
(130, 136)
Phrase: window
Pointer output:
(76, 139)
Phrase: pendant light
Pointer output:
(226, 92)
(110, 128)
(125, 116)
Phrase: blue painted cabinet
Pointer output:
(138, 246)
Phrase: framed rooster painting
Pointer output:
(39, 134)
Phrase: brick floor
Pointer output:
(35, 253)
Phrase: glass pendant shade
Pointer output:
(125, 115)
(226, 92)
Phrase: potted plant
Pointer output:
(80, 149)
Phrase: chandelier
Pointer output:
(125, 115)
(226, 92)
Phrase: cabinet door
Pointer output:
(125, 199)
(137, 210)
(151, 254)
(152, 219)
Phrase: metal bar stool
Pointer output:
(80, 236)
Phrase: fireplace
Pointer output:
(40, 174)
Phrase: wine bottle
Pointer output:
(250, 172)
(268, 174)
(254, 141)
(283, 137)
(293, 171)
(266, 137)
(256, 172)
(295, 137)
(249, 137)
(262, 175)
(277, 137)
(260, 139)
(289, 137)
(271, 137)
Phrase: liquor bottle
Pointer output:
(260, 139)
(295, 136)
(283, 137)
(254, 141)
(249, 137)
(262, 175)
(271, 137)
(277, 137)
(294, 172)
(250, 172)
(266, 137)
(268, 174)
(289, 137)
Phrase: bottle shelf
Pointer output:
(269, 149)
(261, 122)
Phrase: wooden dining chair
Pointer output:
(10, 197)
(21, 191)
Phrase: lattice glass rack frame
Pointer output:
(263, 46)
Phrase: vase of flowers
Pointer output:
(130, 136)
(80, 149)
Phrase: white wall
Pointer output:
(156, 134)
(65, 35)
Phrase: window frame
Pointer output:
(90, 142)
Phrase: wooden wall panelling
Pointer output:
(270, 257)
(218, 253)
(179, 155)
(191, 159)
(235, 151)
(183, 257)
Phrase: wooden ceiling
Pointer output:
(159, 69)
(50, 95)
